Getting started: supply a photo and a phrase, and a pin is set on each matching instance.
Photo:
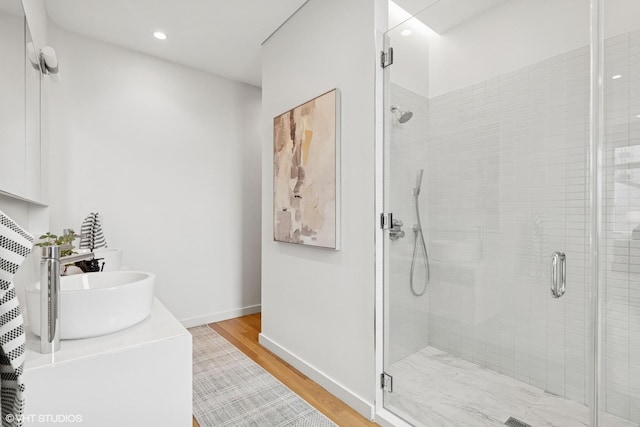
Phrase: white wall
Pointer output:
(170, 158)
(318, 305)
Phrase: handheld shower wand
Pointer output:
(418, 242)
(416, 189)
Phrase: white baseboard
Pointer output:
(223, 315)
(366, 409)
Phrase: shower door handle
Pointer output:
(558, 274)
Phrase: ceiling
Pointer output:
(220, 37)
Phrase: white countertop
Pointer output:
(160, 325)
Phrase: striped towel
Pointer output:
(15, 245)
(91, 236)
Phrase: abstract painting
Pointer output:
(306, 173)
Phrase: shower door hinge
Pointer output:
(386, 382)
(386, 221)
(386, 58)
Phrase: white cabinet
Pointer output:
(20, 86)
(137, 377)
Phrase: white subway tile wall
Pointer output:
(506, 185)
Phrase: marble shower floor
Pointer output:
(434, 388)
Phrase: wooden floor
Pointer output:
(243, 333)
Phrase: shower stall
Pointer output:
(509, 194)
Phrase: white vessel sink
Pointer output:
(94, 304)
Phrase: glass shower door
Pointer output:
(620, 249)
(487, 160)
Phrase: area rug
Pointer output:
(229, 389)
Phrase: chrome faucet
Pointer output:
(50, 264)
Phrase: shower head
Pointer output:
(403, 116)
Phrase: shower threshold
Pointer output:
(433, 388)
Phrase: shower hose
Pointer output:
(419, 245)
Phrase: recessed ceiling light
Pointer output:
(160, 35)
(638, 116)
(617, 76)
(406, 32)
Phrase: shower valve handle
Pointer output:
(396, 232)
